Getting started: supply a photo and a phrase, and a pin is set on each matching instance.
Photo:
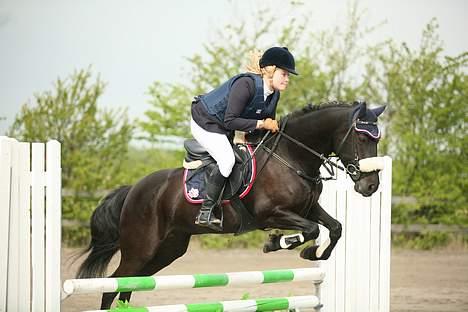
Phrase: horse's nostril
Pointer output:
(372, 187)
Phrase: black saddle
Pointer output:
(199, 163)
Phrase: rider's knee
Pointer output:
(225, 167)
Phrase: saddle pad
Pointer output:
(194, 180)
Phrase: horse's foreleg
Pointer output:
(323, 251)
(277, 241)
(290, 221)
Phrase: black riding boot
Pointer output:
(215, 183)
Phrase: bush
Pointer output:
(429, 240)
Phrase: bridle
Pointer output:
(352, 168)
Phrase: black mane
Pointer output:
(312, 108)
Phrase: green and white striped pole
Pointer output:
(267, 304)
(145, 283)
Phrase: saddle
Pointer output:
(198, 163)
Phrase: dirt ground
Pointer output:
(420, 280)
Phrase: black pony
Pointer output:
(151, 222)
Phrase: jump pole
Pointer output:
(147, 283)
(267, 304)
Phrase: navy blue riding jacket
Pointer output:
(237, 111)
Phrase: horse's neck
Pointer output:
(316, 130)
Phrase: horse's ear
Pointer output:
(362, 110)
(379, 110)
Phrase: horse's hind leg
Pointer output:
(173, 247)
(126, 268)
(137, 249)
(107, 299)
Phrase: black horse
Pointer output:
(151, 222)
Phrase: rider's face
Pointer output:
(280, 79)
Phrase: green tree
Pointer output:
(324, 59)
(330, 60)
(94, 140)
(170, 115)
(426, 128)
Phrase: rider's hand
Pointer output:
(271, 124)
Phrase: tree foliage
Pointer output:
(324, 59)
(170, 116)
(426, 130)
(94, 140)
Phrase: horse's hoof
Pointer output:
(273, 243)
(268, 248)
(310, 253)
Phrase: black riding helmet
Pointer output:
(280, 57)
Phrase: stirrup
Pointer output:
(206, 218)
(201, 218)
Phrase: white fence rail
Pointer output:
(30, 233)
(357, 275)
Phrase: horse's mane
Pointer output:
(315, 107)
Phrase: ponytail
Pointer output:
(254, 67)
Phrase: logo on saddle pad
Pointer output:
(193, 193)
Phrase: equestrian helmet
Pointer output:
(280, 57)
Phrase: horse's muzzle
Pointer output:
(366, 189)
(367, 184)
(368, 181)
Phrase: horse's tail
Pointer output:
(104, 234)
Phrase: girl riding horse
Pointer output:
(245, 102)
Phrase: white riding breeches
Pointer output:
(217, 145)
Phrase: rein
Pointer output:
(352, 169)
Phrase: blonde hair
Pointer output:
(253, 65)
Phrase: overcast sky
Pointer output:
(133, 43)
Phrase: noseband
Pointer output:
(353, 167)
